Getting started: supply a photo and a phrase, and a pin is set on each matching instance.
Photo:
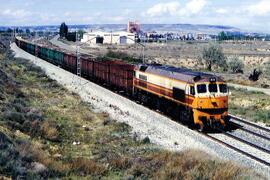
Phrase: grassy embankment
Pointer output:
(47, 131)
(251, 105)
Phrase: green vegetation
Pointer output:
(48, 132)
(250, 105)
(214, 56)
(235, 65)
(63, 30)
(266, 69)
(122, 56)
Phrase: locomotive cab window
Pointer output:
(143, 77)
(223, 88)
(213, 88)
(201, 88)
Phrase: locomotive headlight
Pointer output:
(212, 79)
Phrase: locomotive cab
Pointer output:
(211, 103)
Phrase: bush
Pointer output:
(123, 56)
(235, 65)
(213, 55)
(15, 116)
(266, 69)
(255, 75)
(49, 131)
(87, 166)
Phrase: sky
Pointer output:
(251, 15)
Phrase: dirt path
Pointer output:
(249, 88)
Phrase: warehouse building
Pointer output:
(100, 37)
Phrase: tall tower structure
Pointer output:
(134, 27)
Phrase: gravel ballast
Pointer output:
(146, 123)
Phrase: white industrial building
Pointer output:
(100, 37)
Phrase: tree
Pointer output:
(27, 31)
(80, 34)
(63, 30)
(222, 36)
(213, 55)
(235, 65)
(9, 30)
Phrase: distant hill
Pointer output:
(187, 28)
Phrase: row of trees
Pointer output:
(223, 36)
(16, 30)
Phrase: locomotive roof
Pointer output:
(182, 74)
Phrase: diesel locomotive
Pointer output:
(191, 96)
(197, 98)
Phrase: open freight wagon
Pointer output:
(116, 74)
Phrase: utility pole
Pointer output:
(78, 54)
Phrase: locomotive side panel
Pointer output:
(162, 86)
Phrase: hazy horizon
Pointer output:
(249, 15)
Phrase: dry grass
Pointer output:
(254, 106)
(87, 166)
(196, 165)
(49, 131)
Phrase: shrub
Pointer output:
(235, 65)
(119, 162)
(49, 131)
(15, 116)
(266, 69)
(213, 55)
(87, 166)
(123, 56)
(255, 75)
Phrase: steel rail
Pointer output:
(238, 150)
(249, 123)
(249, 131)
(244, 141)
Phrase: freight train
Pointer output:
(197, 98)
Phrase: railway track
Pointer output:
(243, 121)
(247, 138)
(237, 150)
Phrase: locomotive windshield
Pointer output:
(201, 88)
(213, 88)
(223, 88)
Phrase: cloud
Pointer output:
(221, 11)
(19, 13)
(163, 8)
(195, 6)
(259, 9)
(174, 8)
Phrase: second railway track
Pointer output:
(239, 150)
(246, 138)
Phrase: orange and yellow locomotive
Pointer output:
(195, 97)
